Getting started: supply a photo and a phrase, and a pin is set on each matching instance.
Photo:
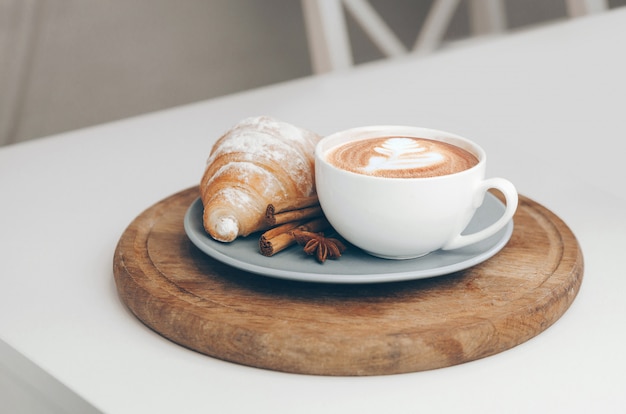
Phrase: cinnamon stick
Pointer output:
(293, 215)
(291, 204)
(271, 241)
(279, 238)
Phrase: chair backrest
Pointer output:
(577, 8)
(329, 43)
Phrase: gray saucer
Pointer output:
(354, 266)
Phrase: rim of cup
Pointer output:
(380, 131)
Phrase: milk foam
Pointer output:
(401, 157)
(402, 153)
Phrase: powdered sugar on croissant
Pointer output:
(259, 161)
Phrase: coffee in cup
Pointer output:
(401, 192)
(401, 157)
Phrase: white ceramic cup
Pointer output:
(403, 218)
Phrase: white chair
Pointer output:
(577, 8)
(329, 44)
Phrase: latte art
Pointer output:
(401, 153)
(401, 157)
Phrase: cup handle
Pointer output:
(511, 198)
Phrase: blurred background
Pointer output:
(68, 64)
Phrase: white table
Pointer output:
(548, 106)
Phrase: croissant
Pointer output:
(257, 162)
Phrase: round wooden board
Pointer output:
(334, 329)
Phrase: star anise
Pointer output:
(316, 244)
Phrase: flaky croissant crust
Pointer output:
(259, 161)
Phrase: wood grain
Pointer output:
(370, 329)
